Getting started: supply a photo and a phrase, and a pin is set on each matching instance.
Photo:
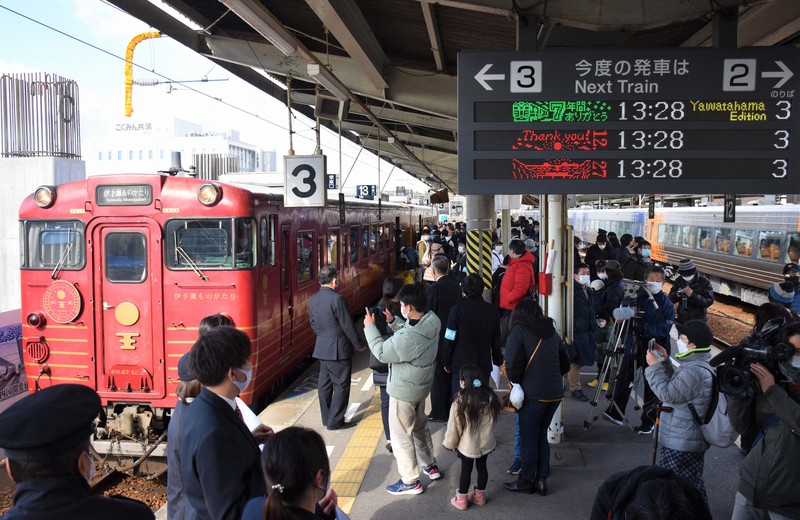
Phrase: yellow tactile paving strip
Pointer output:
(349, 472)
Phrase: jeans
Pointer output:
(385, 412)
(517, 439)
(534, 419)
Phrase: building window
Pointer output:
(99, 156)
(130, 155)
(109, 155)
(119, 155)
(161, 154)
(141, 155)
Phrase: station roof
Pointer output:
(395, 60)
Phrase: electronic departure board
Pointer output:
(629, 121)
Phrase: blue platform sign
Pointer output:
(332, 181)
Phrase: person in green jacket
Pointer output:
(411, 355)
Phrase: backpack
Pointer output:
(716, 426)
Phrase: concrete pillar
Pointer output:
(479, 217)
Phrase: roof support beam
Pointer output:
(433, 34)
(409, 138)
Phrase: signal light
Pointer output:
(36, 319)
(44, 196)
(209, 194)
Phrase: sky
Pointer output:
(97, 65)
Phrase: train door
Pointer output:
(287, 294)
(128, 310)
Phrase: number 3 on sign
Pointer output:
(526, 76)
(303, 175)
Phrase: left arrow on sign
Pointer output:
(784, 74)
(483, 76)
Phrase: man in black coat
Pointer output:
(443, 295)
(584, 326)
(46, 439)
(336, 345)
(692, 292)
(219, 456)
(599, 251)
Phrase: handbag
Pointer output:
(505, 401)
(571, 350)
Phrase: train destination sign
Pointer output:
(629, 121)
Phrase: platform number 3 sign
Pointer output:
(305, 180)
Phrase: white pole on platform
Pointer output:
(556, 265)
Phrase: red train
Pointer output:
(117, 272)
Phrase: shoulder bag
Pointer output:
(505, 401)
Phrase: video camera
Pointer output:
(734, 377)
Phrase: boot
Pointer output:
(541, 485)
(477, 497)
(460, 501)
(521, 485)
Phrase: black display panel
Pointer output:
(629, 121)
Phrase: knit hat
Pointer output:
(686, 266)
(791, 266)
(782, 292)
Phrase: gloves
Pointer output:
(597, 285)
(517, 396)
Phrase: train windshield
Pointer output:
(51, 243)
(228, 243)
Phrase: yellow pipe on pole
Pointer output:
(129, 67)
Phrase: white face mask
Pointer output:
(499, 249)
(601, 246)
(682, 347)
(602, 276)
(461, 249)
(583, 279)
(404, 312)
(796, 361)
(425, 238)
(654, 287)
(688, 279)
(601, 323)
(248, 376)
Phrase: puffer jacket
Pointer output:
(470, 442)
(411, 355)
(768, 475)
(698, 303)
(517, 281)
(543, 378)
(676, 387)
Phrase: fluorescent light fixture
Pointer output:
(265, 24)
(326, 78)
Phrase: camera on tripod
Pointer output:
(735, 377)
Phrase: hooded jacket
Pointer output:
(411, 355)
(543, 378)
(691, 381)
(517, 281)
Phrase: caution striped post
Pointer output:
(479, 255)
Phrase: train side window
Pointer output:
(662, 234)
(792, 247)
(365, 241)
(126, 257)
(704, 238)
(354, 232)
(245, 245)
(769, 245)
(47, 243)
(743, 244)
(722, 244)
(333, 247)
(374, 240)
(688, 236)
(263, 240)
(272, 233)
(305, 257)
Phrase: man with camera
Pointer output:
(768, 483)
(692, 292)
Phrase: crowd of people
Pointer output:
(438, 339)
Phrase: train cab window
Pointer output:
(47, 244)
(704, 238)
(333, 247)
(743, 242)
(365, 241)
(126, 257)
(722, 244)
(305, 257)
(792, 247)
(354, 232)
(769, 245)
(688, 237)
(221, 243)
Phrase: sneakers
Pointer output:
(433, 472)
(605, 387)
(401, 488)
(644, 429)
(593, 383)
(515, 468)
(612, 418)
(579, 395)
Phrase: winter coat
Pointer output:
(472, 336)
(656, 323)
(635, 267)
(543, 378)
(676, 387)
(621, 255)
(517, 281)
(470, 442)
(411, 355)
(768, 475)
(611, 296)
(584, 324)
(593, 254)
(698, 303)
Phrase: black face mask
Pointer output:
(794, 280)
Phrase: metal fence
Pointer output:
(211, 166)
(39, 116)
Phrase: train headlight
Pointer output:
(44, 196)
(209, 194)
(36, 319)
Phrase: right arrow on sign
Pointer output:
(784, 74)
(483, 76)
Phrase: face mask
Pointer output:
(682, 347)
(601, 323)
(583, 279)
(425, 238)
(404, 313)
(248, 376)
(688, 279)
(602, 276)
(645, 253)
(796, 361)
(499, 249)
(794, 280)
(601, 246)
(461, 249)
(654, 287)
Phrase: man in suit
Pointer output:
(336, 345)
(443, 294)
(219, 455)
